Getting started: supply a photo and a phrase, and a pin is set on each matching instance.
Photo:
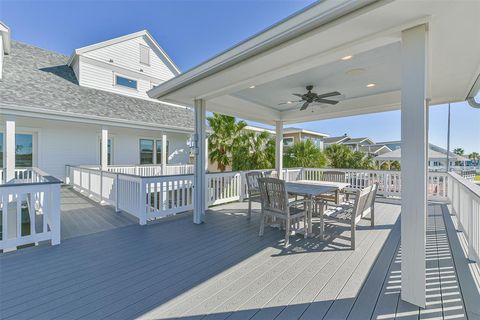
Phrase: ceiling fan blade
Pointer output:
(305, 105)
(329, 94)
(291, 102)
(297, 94)
(326, 101)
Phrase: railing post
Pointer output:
(470, 250)
(101, 186)
(142, 209)
(240, 186)
(54, 213)
(117, 201)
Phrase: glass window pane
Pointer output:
(159, 151)
(146, 151)
(121, 81)
(23, 150)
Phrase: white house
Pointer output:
(56, 110)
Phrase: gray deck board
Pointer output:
(223, 270)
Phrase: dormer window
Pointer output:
(144, 55)
(125, 82)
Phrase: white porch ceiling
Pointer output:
(368, 30)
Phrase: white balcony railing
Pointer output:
(148, 170)
(151, 197)
(464, 196)
(30, 207)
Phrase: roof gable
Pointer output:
(144, 34)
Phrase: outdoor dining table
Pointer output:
(311, 189)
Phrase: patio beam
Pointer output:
(164, 153)
(414, 127)
(9, 145)
(200, 165)
(279, 148)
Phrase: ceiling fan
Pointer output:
(312, 97)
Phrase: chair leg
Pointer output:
(322, 221)
(249, 208)
(287, 233)
(352, 231)
(262, 224)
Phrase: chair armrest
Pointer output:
(296, 202)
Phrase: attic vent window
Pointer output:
(125, 82)
(144, 55)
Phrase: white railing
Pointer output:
(465, 199)
(147, 170)
(30, 207)
(151, 197)
(389, 182)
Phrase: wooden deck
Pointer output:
(223, 270)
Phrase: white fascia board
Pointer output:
(5, 30)
(173, 67)
(16, 110)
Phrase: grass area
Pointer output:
(477, 177)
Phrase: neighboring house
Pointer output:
(56, 109)
(336, 140)
(375, 149)
(294, 135)
(437, 156)
(364, 144)
(356, 143)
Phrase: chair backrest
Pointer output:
(271, 174)
(364, 201)
(333, 176)
(252, 182)
(273, 195)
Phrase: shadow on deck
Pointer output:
(223, 270)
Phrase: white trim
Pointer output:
(116, 85)
(90, 119)
(172, 66)
(299, 130)
(5, 30)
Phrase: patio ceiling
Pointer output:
(307, 49)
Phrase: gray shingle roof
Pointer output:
(38, 78)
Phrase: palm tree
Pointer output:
(253, 151)
(225, 135)
(304, 154)
(338, 155)
(459, 151)
(474, 156)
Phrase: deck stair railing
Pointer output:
(30, 209)
(464, 197)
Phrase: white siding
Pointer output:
(58, 143)
(126, 54)
(75, 67)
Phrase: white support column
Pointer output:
(104, 150)
(9, 148)
(164, 153)
(279, 148)
(200, 154)
(414, 124)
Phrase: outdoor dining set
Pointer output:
(293, 205)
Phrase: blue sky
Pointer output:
(193, 31)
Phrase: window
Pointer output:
(144, 55)
(288, 142)
(109, 152)
(23, 150)
(146, 151)
(1, 150)
(124, 82)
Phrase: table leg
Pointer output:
(310, 214)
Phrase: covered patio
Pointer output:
(379, 55)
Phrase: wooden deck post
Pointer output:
(104, 150)
(164, 154)
(9, 148)
(200, 163)
(414, 124)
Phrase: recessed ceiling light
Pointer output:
(370, 85)
(252, 87)
(347, 58)
(289, 102)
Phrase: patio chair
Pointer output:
(253, 189)
(332, 176)
(352, 213)
(271, 174)
(275, 204)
